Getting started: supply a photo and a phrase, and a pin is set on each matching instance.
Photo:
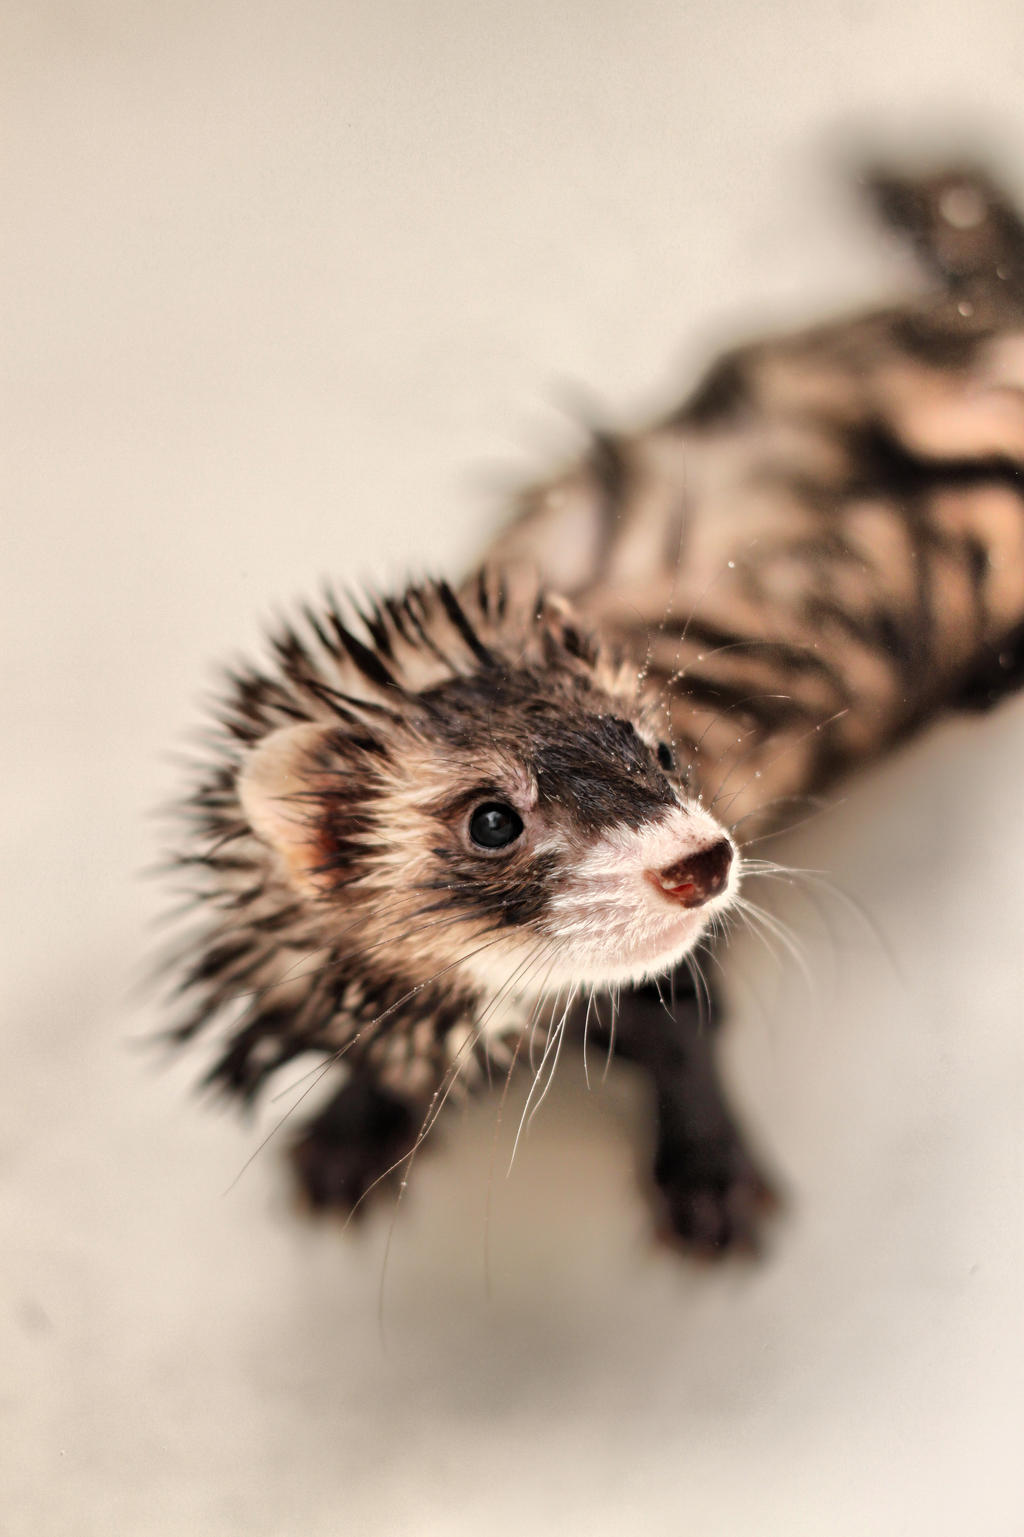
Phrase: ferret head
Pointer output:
(470, 801)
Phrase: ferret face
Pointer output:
(562, 823)
(515, 827)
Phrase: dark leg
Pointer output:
(351, 1144)
(711, 1192)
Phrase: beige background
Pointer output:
(295, 289)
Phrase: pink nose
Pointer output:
(696, 879)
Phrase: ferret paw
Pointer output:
(353, 1150)
(713, 1199)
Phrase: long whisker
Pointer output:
(737, 704)
(586, 1025)
(701, 990)
(550, 946)
(759, 919)
(549, 1046)
(769, 870)
(438, 1101)
(560, 1036)
(818, 803)
(614, 995)
(745, 757)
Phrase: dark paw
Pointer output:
(355, 1149)
(714, 1200)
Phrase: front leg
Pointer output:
(356, 1147)
(711, 1193)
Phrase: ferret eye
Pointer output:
(666, 757)
(495, 825)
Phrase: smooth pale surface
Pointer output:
(291, 289)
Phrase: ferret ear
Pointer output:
(569, 628)
(275, 785)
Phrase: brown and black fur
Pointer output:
(827, 532)
(819, 550)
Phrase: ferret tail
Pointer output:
(961, 223)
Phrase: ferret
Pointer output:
(439, 828)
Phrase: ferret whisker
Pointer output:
(462, 1056)
(747, 643)
(545, 950)
(791, 827)
(818, 804)
(437, 1104)
(542, 947)
(549, 1045)
(760, 919)
(712, 954)
(754, 921)
(790, 745)
(535, 1019)
(661, 995)
(548, 1039)
(520, 977)
(559, 1032)
(595, 993)
(694, 607)
(737, 704)
(407, 1159)
(532, 1023)
(614, 994)
(701, 990)
(665, 613)
(800, 878)
(586, 1025)
(645, 667)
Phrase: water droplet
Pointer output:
(1002, 271)
(965, 307)
(757, 773)
(732, 565)
(963, 207)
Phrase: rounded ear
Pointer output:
(276, 787)
(570, 628)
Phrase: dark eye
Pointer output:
(495, 825)
(666, 757)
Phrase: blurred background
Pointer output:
(300, 289)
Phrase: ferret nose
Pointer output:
(696, 879)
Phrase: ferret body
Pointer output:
(824, 544)
(439, 828)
